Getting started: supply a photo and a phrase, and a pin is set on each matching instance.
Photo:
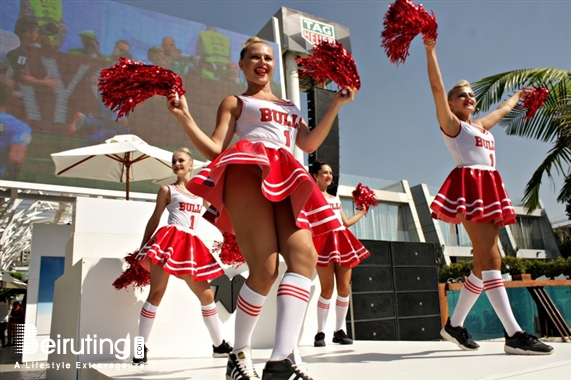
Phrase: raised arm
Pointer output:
(446, 119)
(309, 141)
(163, 198)
(492, 118)
(212, 146)
(348, 222)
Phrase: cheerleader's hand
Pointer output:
(177, 105)
(524, 93)
(345, 96)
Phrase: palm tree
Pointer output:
(552, 123)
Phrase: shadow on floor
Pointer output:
(9, 371)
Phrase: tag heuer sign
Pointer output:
(315, 32)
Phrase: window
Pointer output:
(387, 221)
(455, 235)
(527, 233)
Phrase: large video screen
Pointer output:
(51, 54)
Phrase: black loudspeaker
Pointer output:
(395, 293)
(380, 252)
(318, 100)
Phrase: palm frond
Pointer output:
(544, 126)
(558, 159)
(490, 90)
(565, 193)
(562, 113)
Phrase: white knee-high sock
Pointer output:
(468, 296)
(147, 319)
(322, 312)
(248, 308)
(341, 307)
(293, 296)
(496, 292)
(212, 322)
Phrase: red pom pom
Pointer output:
(129, 83)
(134, 274)
(534, 101)
(228, 250)
(364, 197)
(403, 22)
(330, 61)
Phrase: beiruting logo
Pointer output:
(26, 342)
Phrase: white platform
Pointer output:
(371, 360)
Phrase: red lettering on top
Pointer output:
(266, 114)
(282, 118)
(487, 144)
(293, 122)
(190, 207)
(279, 116)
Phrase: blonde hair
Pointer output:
(457, 85)
(184, 150)
(251, 41)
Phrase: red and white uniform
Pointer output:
(474, 188)
(339, 245)
(176, 246)
(267, 132)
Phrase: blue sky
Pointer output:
(390, 130)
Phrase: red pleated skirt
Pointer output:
(339, 246)
(180, 253)
(282, 177)
(478, 194)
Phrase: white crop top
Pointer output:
(473, 146)
(274, 124)
(185, 211)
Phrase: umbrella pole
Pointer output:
(128, 167)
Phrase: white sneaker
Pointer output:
(240, 365)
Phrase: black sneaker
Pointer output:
(319, 340)
(286, 369)
(522, 343)
(240, 365)
(142, 361)
(460, 336)
(342, 338)
(221, 351)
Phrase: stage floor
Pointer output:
(372, 360)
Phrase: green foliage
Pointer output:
(558, 266)
(7, 293)
(513, 265)
(18, 276)
(536, 268)
(455, 271)
(552, 122)
(564, 245)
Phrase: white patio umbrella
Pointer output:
(123, 158)
(9, 282)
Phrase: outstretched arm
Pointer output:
(309, 141)
(348, 222)
(212, 146)
(491, 119)
(446, 119)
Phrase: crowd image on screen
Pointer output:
(51, 56)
